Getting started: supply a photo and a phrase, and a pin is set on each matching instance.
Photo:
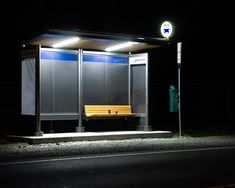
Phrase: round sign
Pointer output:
(167, 29)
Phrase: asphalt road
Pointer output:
(179, 168)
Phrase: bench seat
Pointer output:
(108, 111)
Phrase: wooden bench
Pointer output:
(108, 111)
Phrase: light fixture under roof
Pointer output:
(119, 46)
(66, 42)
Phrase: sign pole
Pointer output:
(179, 50)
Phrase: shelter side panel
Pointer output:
(59, 82)
(117, 82)
(94, 82)
(138, 88)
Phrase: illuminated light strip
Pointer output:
(119, 46)
(65, 42)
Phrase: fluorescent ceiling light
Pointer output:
(119, 46)
(65, 42)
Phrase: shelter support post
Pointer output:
(144, 122)
(37, 92)
(79, 127)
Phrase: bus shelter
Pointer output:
(65, 70)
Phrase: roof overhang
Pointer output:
(97, 41)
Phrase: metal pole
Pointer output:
(80, 128)
(147, 94)
(80, 87)
(179, 102)
(129, 79)
(179, 47)
(37, 91)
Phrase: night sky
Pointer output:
(206, 30)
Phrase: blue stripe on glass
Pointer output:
(105, 59)
(46, 55)
(94, 58)
(59, 56)
(117, 60)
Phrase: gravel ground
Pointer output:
(21, 150)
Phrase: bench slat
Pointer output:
(110, 115)
(108, 111)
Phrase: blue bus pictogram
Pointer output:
(166, 30)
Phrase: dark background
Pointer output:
(205, 28)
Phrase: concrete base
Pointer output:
(40, 133)
(90, 136)
(144, 128)
(80, 129)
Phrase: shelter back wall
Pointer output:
(105, 79)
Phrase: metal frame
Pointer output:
(60, 116)
(129, 81)
(146, 114)
(80, 86)
(79, 116)
(105, 53)
(37, 91)
(59, 50)
(147, 92)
